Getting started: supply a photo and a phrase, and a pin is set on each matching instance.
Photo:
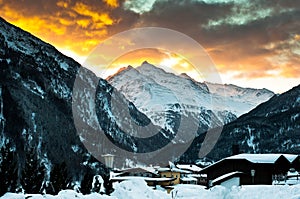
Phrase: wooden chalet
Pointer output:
(247, 169)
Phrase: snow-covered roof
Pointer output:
(227, 175)
(292, 173)
(121, 178)
(198, 175)
(165, 169)
(255, 158)
(263, 158)
(140, 170)
(190, 167)
(188, 179)
(108, 155)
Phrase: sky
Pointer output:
(251, 43)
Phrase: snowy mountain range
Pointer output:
(43, 141)
(154, 91)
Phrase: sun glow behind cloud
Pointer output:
(166, 60)
(249, 41)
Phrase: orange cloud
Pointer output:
(297, 37)
(112, 3)
(290, 70)
(135, 58)
(68, 22)
(99, 20)
(62, 4)
(83, 23)
(238, 58)
(240, 52)
(33, 24)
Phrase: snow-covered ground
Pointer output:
(137, 189)
(243, 192)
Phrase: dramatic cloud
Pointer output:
(75, 27)
(248, 40)
(112, 3)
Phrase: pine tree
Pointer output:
(32, 174)
(108, 184)
(59, 177)
(8, 168)
(86, 183)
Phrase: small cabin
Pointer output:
(189, 167)
(250, 168)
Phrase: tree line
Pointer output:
(32, 176)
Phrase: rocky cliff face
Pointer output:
(36, 115)
(37, 119)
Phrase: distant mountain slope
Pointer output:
(273, 126)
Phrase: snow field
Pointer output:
(138, 189)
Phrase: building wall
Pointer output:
(169, 174)
(296, 164)
(282, 165)
(142, 174)
(228, 166)
(263, 172)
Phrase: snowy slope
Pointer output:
(237, 99)
(272, 127)
(153, 91)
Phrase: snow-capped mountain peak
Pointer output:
(150, 87)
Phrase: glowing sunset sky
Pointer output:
(252, 43)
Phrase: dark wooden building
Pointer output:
(256, 168)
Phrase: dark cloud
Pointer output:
(236, 34)
(184, 16)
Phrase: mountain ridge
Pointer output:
(135, 84)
